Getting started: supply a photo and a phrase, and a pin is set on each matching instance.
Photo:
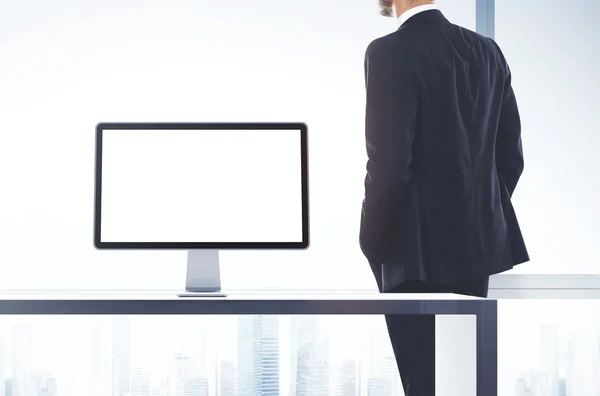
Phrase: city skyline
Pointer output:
(197, 356)
(545, 353)
(548, 347)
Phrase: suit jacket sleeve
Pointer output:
(509, 149)
(391, 112)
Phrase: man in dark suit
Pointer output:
(444, 157)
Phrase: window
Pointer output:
(548, 347)
(66, 68)
(224, 355)
(545, 347)
(552, 54)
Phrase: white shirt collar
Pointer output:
(414, 11)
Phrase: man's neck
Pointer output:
(401, 9)
(414, 10)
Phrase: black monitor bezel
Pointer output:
(302, 127)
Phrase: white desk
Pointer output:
(289, 303)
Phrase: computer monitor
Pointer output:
(202, 187)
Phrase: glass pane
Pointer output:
(198, 356)
(553, 54)
(548, 348)
(67, 67)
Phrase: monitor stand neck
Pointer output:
(203, 274)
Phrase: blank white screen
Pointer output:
(201, 186)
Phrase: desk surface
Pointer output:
(242, 295)
(236, 303)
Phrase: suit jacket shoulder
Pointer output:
(387, 46)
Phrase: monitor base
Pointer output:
(202, 294)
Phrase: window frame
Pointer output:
(545, 286)
(485, 17)
(525, 286)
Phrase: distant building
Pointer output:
(521, 387)
(188, 381)
(50, 389)
(258, 355)
(562, 387)
(345, 381)
(21, 360)
(310, 356)
(549, 358)
(121, 355)
(139, 382)
(228, 379)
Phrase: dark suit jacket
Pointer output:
(444, 146)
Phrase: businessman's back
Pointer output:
(444, 146)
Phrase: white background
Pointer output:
(201, 186)
(455, 355)
(67, 65)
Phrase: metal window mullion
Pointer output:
(485, 17)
